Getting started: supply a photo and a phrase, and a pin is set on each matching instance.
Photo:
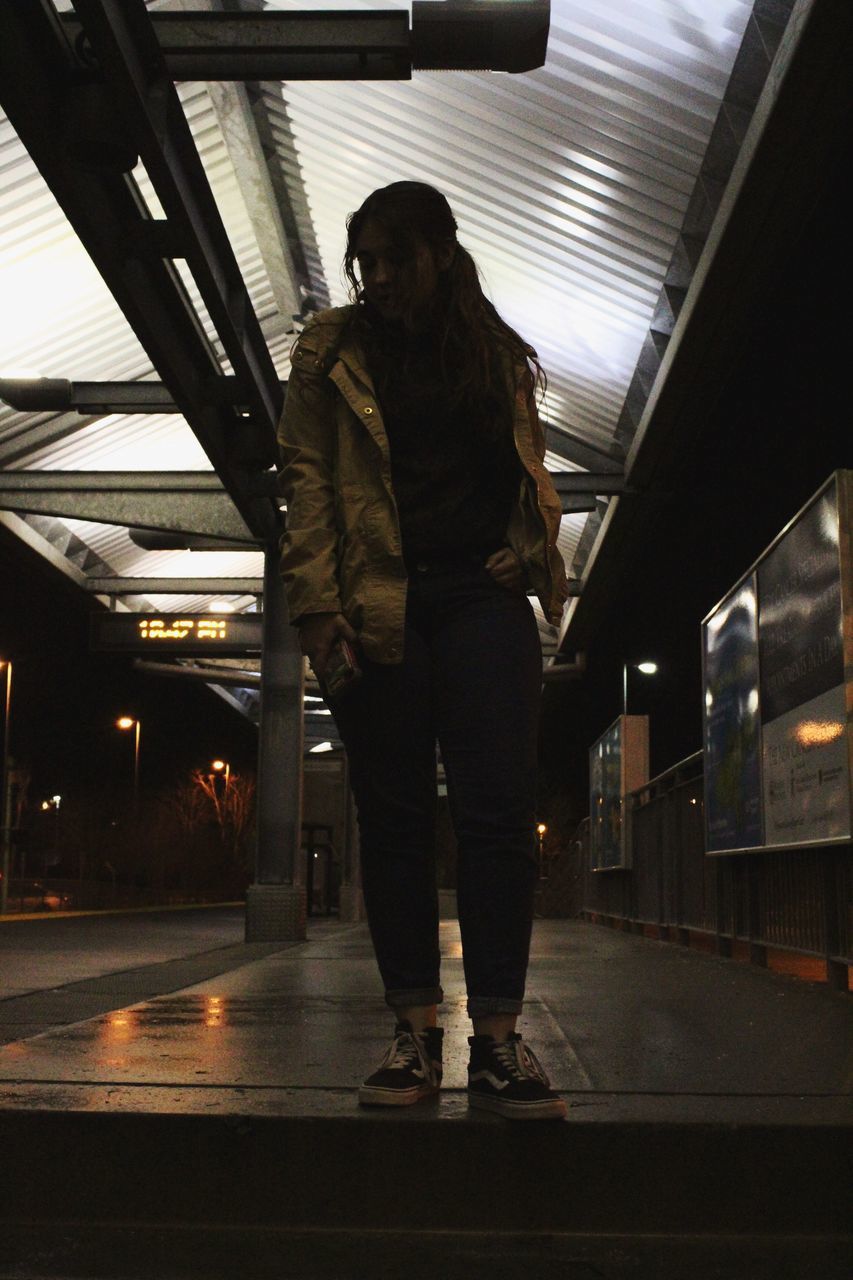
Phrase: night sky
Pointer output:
(66, 699)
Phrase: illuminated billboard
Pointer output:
(618, 763)
(777, 739)
(733, 808)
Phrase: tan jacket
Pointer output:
(342, 551)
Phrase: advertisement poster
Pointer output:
(732, 726)
(801, 655)
(618, 764)
(605, 782)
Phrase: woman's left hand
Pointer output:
(505, 568)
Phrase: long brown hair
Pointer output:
(470, 326)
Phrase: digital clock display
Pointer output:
(191, 634)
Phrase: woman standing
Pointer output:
(419, 513)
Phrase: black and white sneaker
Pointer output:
(410, 1070)
(505, 1076)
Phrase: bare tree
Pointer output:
(189, 806)
(233, 804)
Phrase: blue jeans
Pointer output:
(471, 679)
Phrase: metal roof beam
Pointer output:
(113, 481)
(223, 677)
(282, 256)
(41, 545)
(579, 490)
(243, 118)
(36, 395)
(580, 452)
(192, 502)
(43, 435)
(277, 147)
(83, 133)
(485, 35)
(127, 51)
(175, 586)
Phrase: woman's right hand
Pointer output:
(318, 632)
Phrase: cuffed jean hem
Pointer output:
(482, 1006)
(407, 999)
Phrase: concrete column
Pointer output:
(275, 903)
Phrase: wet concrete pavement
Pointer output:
(176, 1104)
(611, 1015)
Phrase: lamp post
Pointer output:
(647, 668)
(222, 767)
(128, 722)
(5, 806)
(53, 803)
(541, 828)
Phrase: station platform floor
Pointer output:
(708, 1101)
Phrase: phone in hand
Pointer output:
(342, 669)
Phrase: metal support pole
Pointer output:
(137, 734)
(276, 907)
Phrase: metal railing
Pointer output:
(796, 900)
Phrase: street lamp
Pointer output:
(128, 722)
(5, 806)
(541, 828)
(647, 669)
(46, 805)
(222, 767)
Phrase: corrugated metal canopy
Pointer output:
(570, 185)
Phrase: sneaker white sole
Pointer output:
(547, 1109)
(371, 1097)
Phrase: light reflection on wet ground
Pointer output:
(272, 1040)
(312, 1014)
(605, 1012)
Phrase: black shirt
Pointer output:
(454, 466)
